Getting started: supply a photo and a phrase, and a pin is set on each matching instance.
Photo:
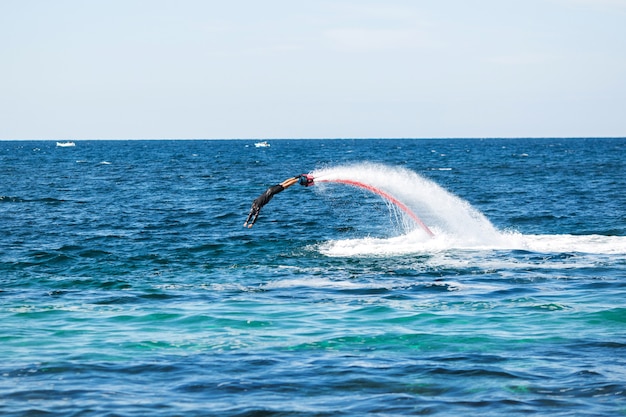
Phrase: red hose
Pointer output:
(388, 197)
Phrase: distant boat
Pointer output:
(65, 144)
(262, 144)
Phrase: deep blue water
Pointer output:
(128, 286)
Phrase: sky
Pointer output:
(191, 69)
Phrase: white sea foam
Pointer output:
(416, 243)
(610, 245)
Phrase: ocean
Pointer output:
(129, 286)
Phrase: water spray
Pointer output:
(379, 192)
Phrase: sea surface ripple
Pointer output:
(129, 287)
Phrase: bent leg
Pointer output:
(254, 214)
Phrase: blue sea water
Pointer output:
(128, 286)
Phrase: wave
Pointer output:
(15, 199)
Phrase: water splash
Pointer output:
(391, 199)
(440, 210)
(454, 222)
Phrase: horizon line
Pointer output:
(320, 138)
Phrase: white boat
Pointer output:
(262, 144)
(65, 144)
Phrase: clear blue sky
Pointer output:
(89, 69)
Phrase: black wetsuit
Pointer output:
(265, 198)
(260, 201)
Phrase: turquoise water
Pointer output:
(129, 287)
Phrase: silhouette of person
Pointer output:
(265, 198)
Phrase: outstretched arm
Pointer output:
(289, 182)
(303, 179)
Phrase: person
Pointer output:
(263, 199)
